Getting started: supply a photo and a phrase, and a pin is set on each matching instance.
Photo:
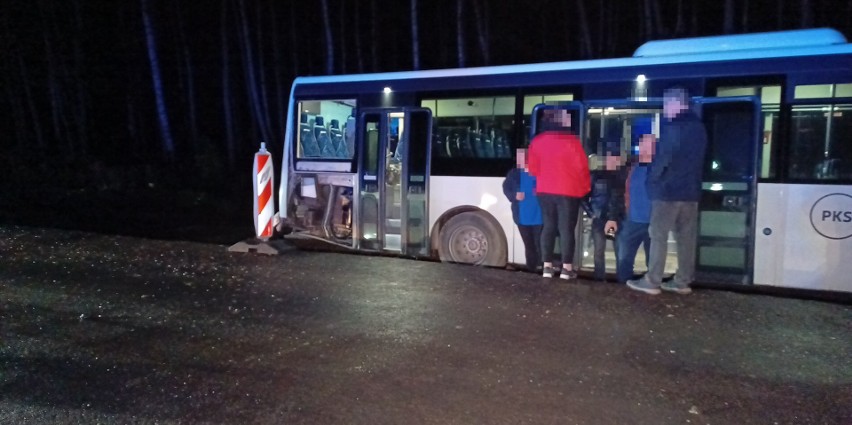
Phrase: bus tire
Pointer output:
(472, 238)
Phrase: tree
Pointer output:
(227, 108)
(460, 34)
(728, 18)
(168, 144)
(585, 35)
(482, 30)
(415, 41)
(329, 42)
(806, 14)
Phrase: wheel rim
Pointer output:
(468, 244)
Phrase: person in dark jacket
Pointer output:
(674, 187)
(519, 188)
(630, 206)
(559, 163)
(608, 177)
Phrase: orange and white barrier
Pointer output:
(264, 180)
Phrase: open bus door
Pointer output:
(393, 183)
(729, 189)
(727, 207)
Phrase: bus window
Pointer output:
(548, 99)
(820, 142)
(770, 101)
(472, 127)
(324, 129)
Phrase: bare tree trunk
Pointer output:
(660, 27)
(649, 19)
(415, 41)
(679, 22)
(482, 32)
(261, 71)
(329, 42)
(728, 17)
(294, 40)
(53, 94)
(168, 144)
(255, 101)
(280, 113)
(806, 14)
(81, 111)
(344, 65)
(585, 35)
(460, 34)
(373, 40)
(358, 50)
(189, 76)
(694, 20)
(28, 95)
(230, 144)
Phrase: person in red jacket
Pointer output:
(559, 163)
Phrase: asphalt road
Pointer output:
(109, 329)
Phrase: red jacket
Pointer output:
(559, 163)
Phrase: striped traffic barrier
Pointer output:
(263, 203)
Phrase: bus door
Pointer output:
(726, 210)
(728, 201)
(541, 114)
(611, 129)
(393, 181)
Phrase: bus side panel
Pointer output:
(486, 193)
(804, 236)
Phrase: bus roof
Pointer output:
(809, 42)
(728, 43)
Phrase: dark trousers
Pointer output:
(630, 235)
(532, 238)
(558, 213)
(599, 243)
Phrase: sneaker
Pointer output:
(568, 274)
(548, 272)
(674, 287)
(642, 285)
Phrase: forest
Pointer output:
(158, 106)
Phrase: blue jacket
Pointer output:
(675, 172)
(528, 211)
(637, 203)
(630, 200)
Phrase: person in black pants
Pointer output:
(519, 188)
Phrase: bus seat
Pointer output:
(831, 169)
(337, 141)
(501, 145)
(488, 145)
(349, 136)
(453, 147)
(307, 138)
(476, 142)
(323, 138)
(465, 145)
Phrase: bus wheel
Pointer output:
(473, 239)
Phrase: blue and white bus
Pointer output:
(411, 163)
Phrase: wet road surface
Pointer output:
(109, 329)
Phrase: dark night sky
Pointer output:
(78, 71)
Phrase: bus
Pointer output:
(412, 163)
